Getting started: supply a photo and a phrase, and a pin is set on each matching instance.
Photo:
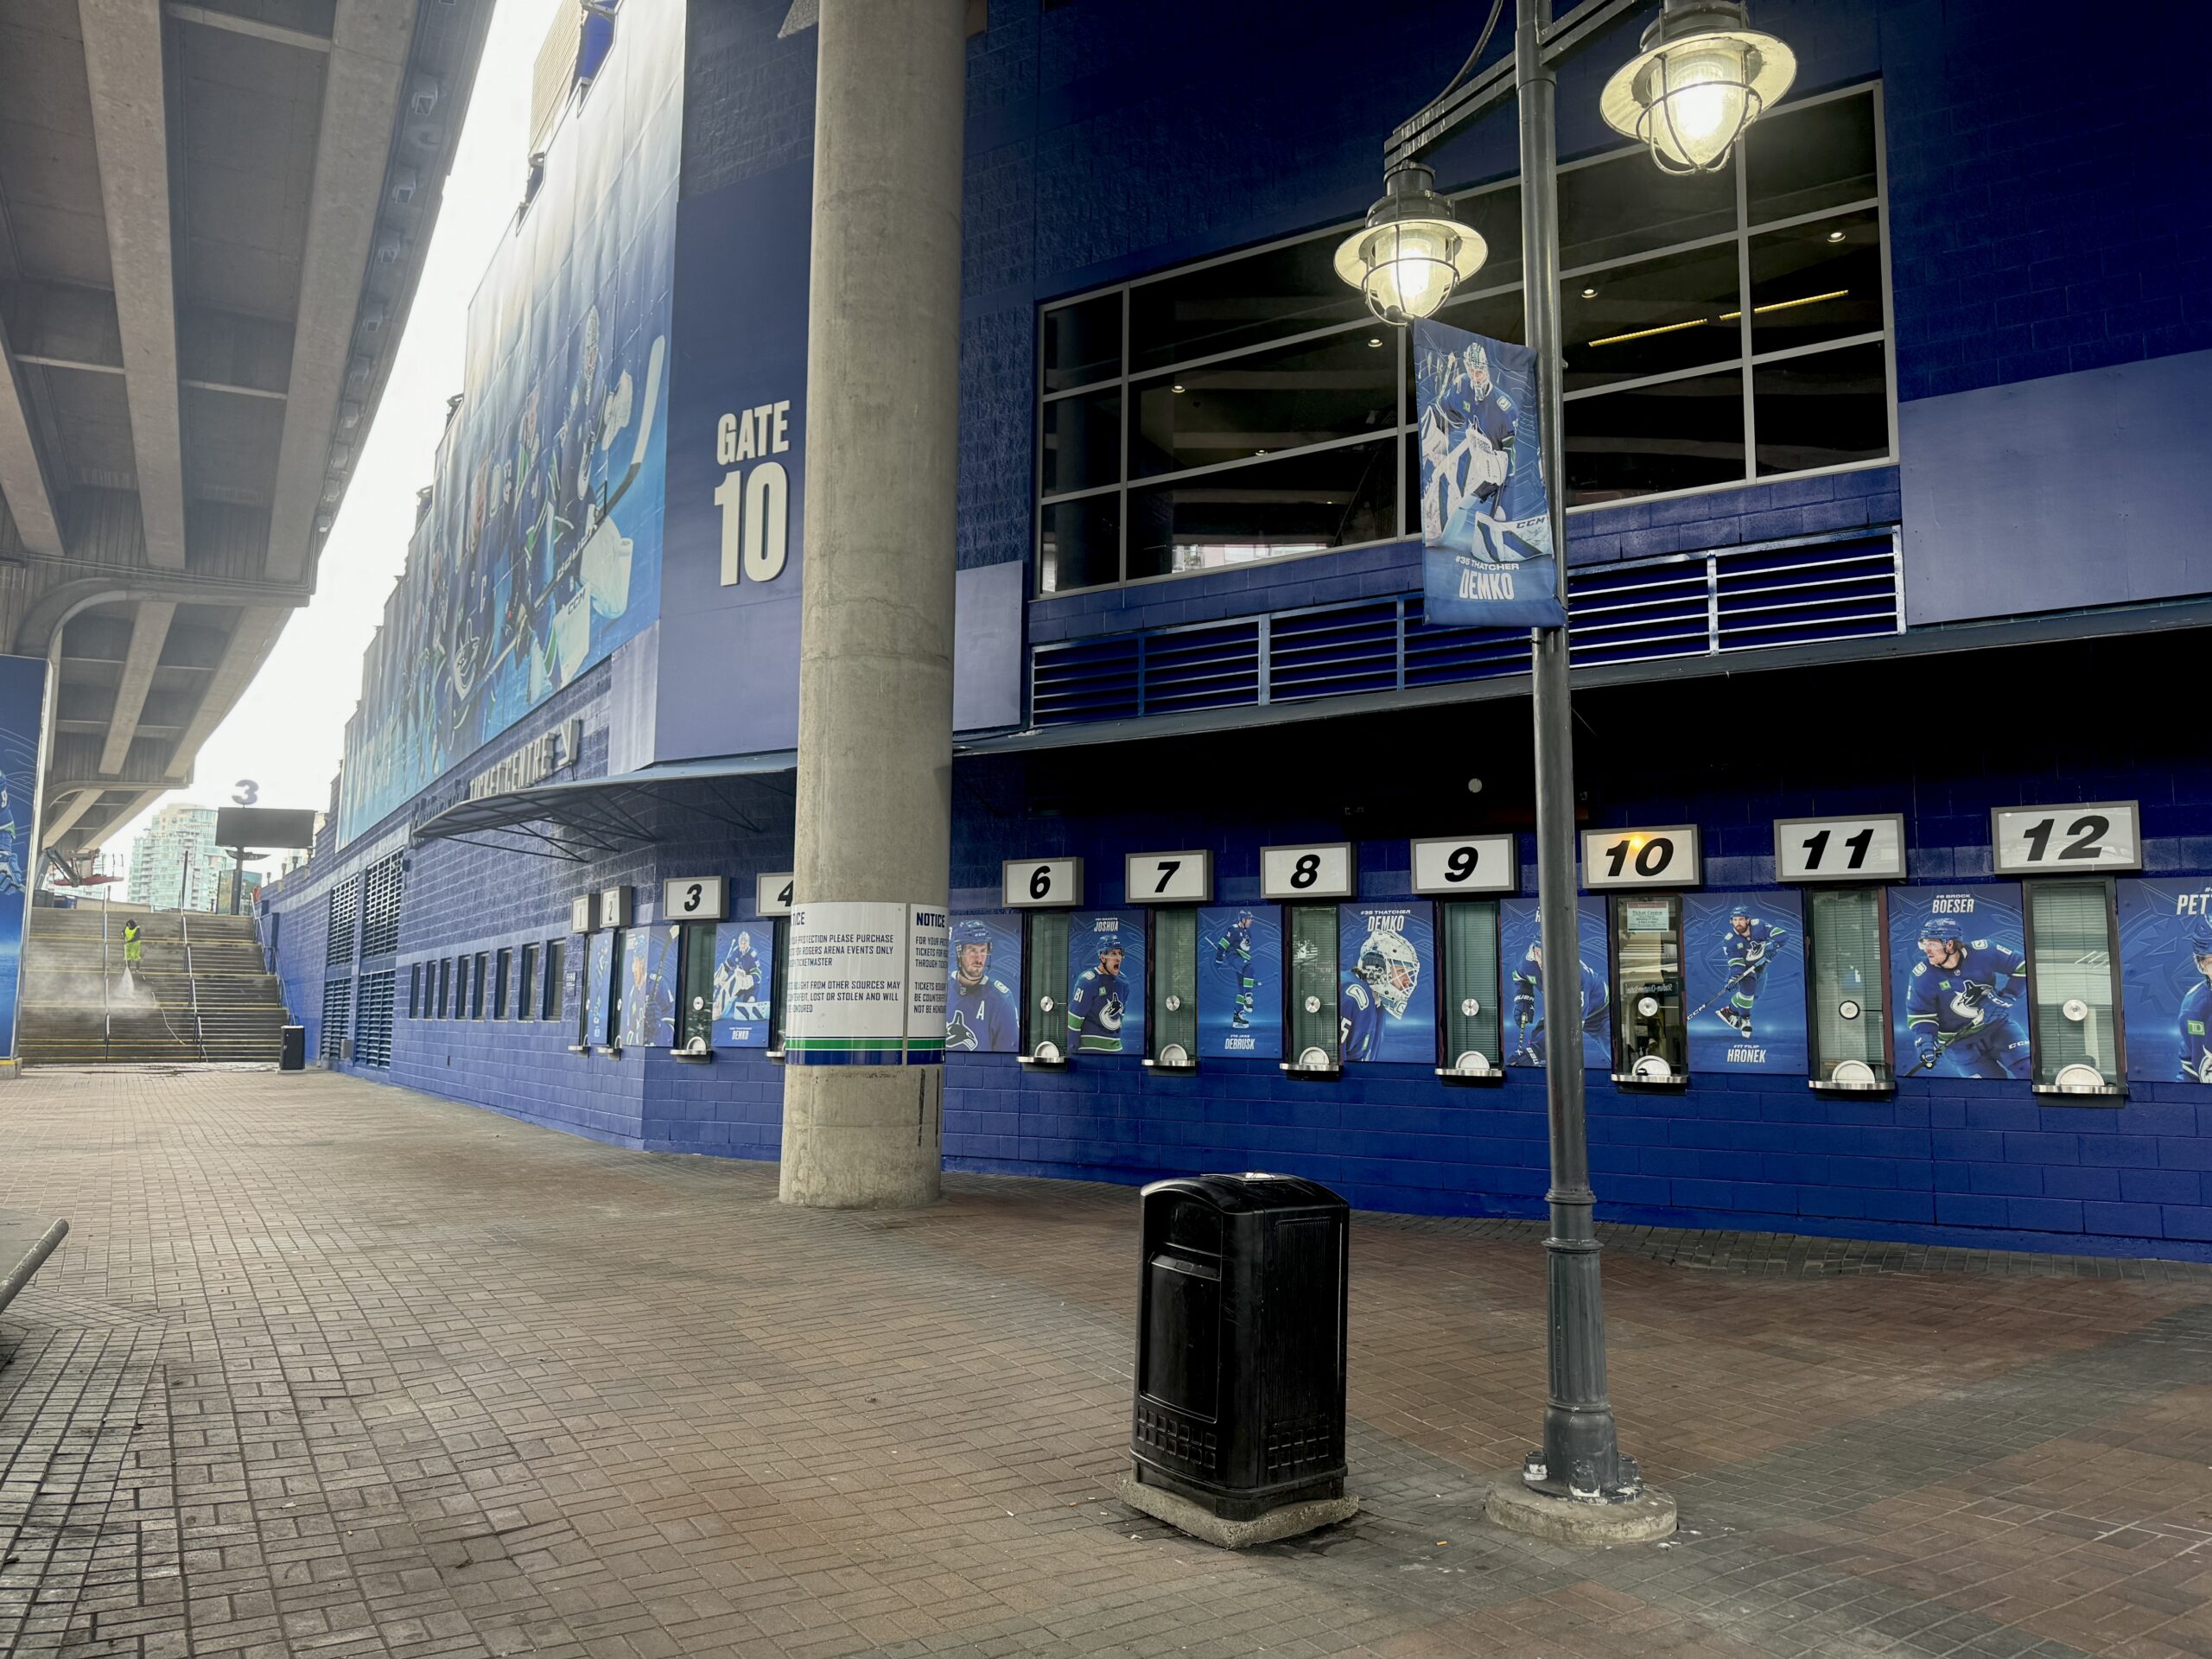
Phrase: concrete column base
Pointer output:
(1202, 1524)
(863, 1137)
(1643, 1518)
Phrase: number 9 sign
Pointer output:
(1663, 857)
(1453, 865)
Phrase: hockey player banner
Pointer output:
(22, 703)
(2166, 978)
(1486, 518)
(983, 1004)
(1958, 959)
(745, 966)
(599, 990)
(1240, 981)
(650, 956)
(1106, 989)
(1528, 1040)
(1386, 995)
(1746, 979)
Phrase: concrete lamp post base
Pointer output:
(1639, 1520)
(1208, 1528)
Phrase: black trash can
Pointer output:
(1240, 1372)
(293, 1056)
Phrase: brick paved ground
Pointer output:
(327, 1368)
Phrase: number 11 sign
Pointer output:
(1839, 849)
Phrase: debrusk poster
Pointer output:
(1958, 955)
(1240, 981)
(1485, 517)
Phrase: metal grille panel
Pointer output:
(337, 1016)
(345, 908)
(373, 1028)
(380, 886)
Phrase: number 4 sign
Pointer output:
(1665, 857)
(2086, 839)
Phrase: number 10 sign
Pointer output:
(1664, 857)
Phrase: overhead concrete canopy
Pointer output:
(212, 218)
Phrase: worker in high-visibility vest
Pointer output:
(134, 949)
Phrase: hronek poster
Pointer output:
(745, 966)
(1240, 981)
(1746, 979)
(1485, 517)
(1386, 999)
(1958, 960)
(982, 1013)
(1106, 981)
(2165, 976)
(1529, 1025)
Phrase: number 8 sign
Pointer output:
(1663, 857)
(1298, 873)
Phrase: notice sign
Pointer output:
(847, 993)
(928, 950)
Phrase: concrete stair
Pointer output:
(200, 994)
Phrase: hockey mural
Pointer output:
(983, 1006)
(1386, 1002)
(540, 552)
(1240, 981)
(2165, 969)
(1746, 979)
(1530, 1038)
(599, 990)
(649, 959)
(1486, 518)
(1106, 982)
(1960, 962)
(745, 965)
(22, 703)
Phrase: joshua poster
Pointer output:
(1106, 999)
(1486, 518)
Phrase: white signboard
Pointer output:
(772, 894)
(1839, 849)
(1170, 878)
(1035, 883)
(1295, 872)
(583, 913)
(694, 899)
(2088, 839)
(929, 931)
(846, 996)
(1661, 857)
(1458, 864)
(615, 906)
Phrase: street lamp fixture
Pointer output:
(1703, 75)
(1412, 252)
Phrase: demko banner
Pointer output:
(1486, 518)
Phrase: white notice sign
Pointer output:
(845, 988)
(928, 946)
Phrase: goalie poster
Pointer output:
(744, 959)
(1486, 518)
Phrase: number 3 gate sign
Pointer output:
(1665, 857)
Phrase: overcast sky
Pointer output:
(288, 732)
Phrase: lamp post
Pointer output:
(1701, 76)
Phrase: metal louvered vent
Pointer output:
(1637, 612)
(345, 909)
(1795, 595)
(380, 885)
(1084, 680)
(1333, 652)
(372, 1029)
(337, 1017)
(1212, 667)
(1437, 655)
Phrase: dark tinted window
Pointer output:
(1821, 281)
(1674, 312)
(1239, 302)
(1339, 387)
(1081, 546)
(1083, 442)
(1807, 156)
(1083, 342)
(1821, 411)
(1332, 497)
(1613, 208)
(1679, 435)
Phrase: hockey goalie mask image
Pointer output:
(1389, 961)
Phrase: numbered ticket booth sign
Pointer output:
(1845, 863)
(771, 893)
(1460, 871)
(694, 899)
(1047, 887)
(2069, 855)
(1302, 878)
(1646, 870)
(1173, 885)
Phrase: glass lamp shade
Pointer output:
(1407, 268)
(1702, 77)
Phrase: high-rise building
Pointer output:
(175, 864)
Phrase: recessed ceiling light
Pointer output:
(1375, 341)
(1835, 236)
(1176, 388)
(1259, 451)
(1589, 293)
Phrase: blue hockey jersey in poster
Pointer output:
(1095, 1011)
(1360, 1011)
(1964, 1013)
(2194, 1029)
(1529, 987)
(982, 1018)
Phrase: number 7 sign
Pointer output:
(1169, 878)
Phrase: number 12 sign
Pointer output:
(2081, 839)
(1665, 857)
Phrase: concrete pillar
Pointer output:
(875, 653)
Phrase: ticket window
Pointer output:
(1650, 1023)
(695, 1033)
(2073, 988)
(1173, 998)
(780, 954)
(1846, 973)
(1310, 986)
(1044, 989)
(1472, 1028)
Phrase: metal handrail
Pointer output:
(192, 983)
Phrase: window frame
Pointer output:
(2115, 1091)
(1745, 363)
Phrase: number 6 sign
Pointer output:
(1040, 883)
(1664, 857)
